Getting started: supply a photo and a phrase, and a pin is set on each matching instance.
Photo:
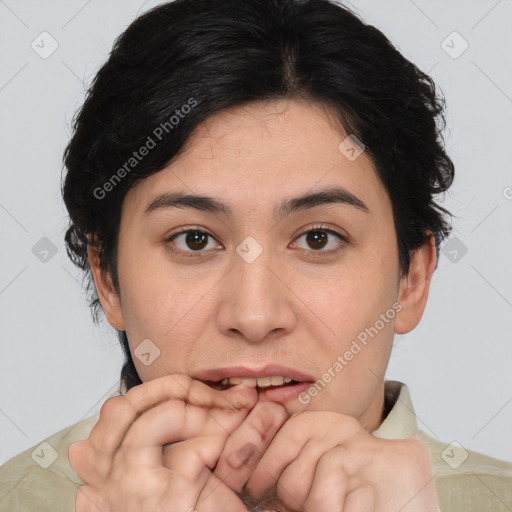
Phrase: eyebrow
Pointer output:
(208, 204)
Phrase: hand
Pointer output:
(245, 447)
(127, 470)
(322, 460)
(256, 432)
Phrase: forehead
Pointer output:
(256, 155)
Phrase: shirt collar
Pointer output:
(400, 423)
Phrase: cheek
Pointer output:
(152, 312)
(351, 305)
(147, 287)
(350, 301)
(165, 307)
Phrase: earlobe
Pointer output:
(106, 293)
(414, 287)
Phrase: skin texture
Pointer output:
(290, 306)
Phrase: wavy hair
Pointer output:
(227, 53)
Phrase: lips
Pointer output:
(269, 377)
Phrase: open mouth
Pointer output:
(273, 382)
(259, 383)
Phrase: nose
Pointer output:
(257, 304)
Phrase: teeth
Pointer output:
(265, 382)
(261, 382)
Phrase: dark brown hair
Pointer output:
(226, 53)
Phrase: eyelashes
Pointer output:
(328, 232)
(199, 237)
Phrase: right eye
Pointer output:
(192, 241)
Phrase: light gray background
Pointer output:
(57, 368)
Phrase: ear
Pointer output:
(106, 292)
(414, 287)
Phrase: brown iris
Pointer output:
(316, 239)
(196, 240)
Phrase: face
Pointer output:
(254, 281)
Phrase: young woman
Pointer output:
(251, 189)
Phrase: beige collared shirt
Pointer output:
(41, 479)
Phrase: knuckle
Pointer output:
(419, 448)
(336, 455)
(415, 453)
(172, 385)
(118, 410)
(137, 393)
(352, 424)
(292, 426)
(76, 449)
(76, 453)
(179, 386)
(114, 407)
(267, 416)
(416, 446)
(178, 381)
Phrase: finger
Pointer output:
(217, 497)
(131, 488)
(86, 463)
(331, 483)
(361, 499)
(118, 413)
(171, 422)
(247, 444)
(167, 422)
(190, 458)
(297, 478)
(89, 500)
(293, 436)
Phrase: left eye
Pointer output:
(194, 240)
(317, 239)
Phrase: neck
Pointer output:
(376, 412)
